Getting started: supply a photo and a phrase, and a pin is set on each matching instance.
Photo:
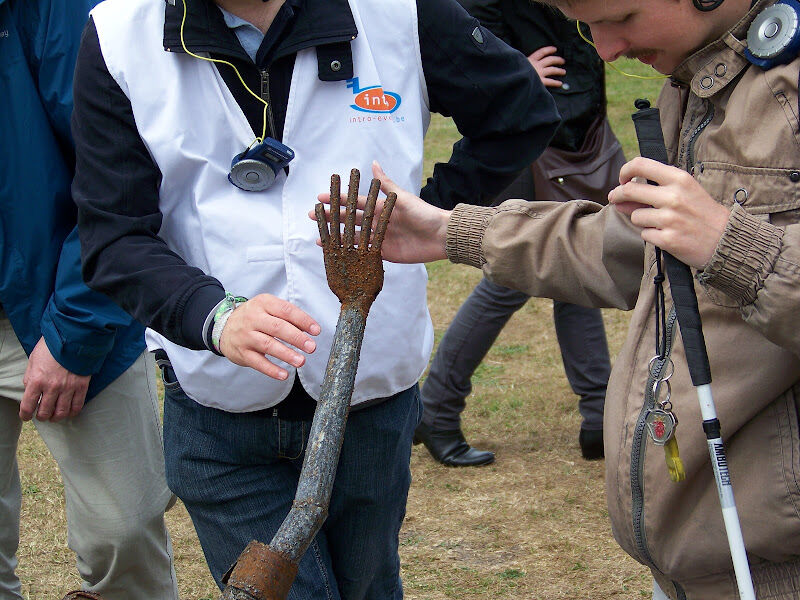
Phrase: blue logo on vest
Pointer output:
(373, 99)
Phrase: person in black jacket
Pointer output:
(582, 161)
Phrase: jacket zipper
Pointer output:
(639, 446)
(266, 98)
(693, 138)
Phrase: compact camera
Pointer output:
(255, 169)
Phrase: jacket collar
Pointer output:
(318, 22)
(712, 68)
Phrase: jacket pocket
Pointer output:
(770, 194)
(797, 436)
(761, 191)
(793, 444)
(765, 468)
(787, 425)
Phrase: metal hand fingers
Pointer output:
(383, 223)
(336, 187)
(353, 216)
(352, 206)
(322, 224)
(369, 213)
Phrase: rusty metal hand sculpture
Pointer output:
(355, 274)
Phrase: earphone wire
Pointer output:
(232, 66)
(612, 65)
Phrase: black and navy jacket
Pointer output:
(528, 26)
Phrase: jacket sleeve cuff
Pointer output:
(195, 318)
(465, 229)
(744, 256)
(77, 354)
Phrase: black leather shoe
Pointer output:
(450, 448)
(591, 442)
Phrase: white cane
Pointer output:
(651, 145)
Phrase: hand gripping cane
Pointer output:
(651, 145)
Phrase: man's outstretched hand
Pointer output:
(415, 233)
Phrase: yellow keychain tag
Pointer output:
(674, 462)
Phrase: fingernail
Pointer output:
(298, 360)
(283, 375)
(314, 329)
(309, 346)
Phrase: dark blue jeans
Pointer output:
(237, 474)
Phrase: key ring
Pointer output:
(669, 363)
(666, 404)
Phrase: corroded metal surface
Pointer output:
(81, 595)
(355, 274)
(260, 573)
(325, 439)
(354, 271)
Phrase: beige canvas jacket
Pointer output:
(735, 127)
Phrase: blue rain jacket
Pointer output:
(41, 289)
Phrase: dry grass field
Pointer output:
(532, 526)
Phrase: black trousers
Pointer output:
(580, 331)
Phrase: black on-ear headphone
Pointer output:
(707, 5)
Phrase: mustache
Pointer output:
(635, 54)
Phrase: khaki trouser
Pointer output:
(112, 464)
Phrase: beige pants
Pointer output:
(112, 463)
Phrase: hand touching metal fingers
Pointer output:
(354, 271)
(417, 230)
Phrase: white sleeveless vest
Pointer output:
(257, 242)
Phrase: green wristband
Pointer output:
(221, 315)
